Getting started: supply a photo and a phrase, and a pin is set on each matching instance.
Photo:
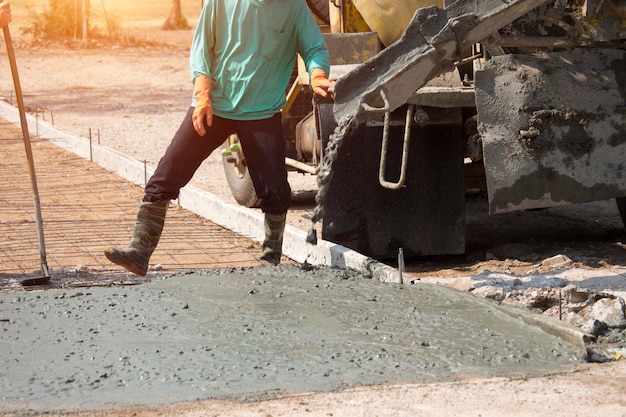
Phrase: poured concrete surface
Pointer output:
(245, 332)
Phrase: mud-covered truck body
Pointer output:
(529, 94)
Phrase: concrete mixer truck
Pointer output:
(525, 99)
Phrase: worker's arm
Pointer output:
(320, 83)
(199, 66)
(314, 52)
(203, 110)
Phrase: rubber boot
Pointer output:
(146, 235)
(272, 248)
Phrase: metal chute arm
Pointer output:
(429, 46)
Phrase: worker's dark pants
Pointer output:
(262, 142)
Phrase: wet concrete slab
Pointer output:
(257, 331)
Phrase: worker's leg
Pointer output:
(146, 235)
(181, 160)
(264, 148)
(183, 157)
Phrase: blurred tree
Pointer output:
(175, 20)
(74, 23)
(62, 19)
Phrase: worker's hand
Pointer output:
(5, 14)
(321, 84)
(201, 90)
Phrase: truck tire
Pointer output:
(238, 179)
(320, 9)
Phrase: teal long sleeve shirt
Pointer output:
(248, 48)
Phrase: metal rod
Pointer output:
(405, 151)
(90, 147)
(468, 59)
(29, 152)
(301, 166)
(401, 264)
(535, 42)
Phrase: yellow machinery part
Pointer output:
(345, 18)
(389, 18)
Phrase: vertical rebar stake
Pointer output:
(401, 264)
(145, 173)
(90, 147)
(560, 306)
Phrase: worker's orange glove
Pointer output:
(201, 90)
(320, 82)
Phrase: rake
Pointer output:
(45, 275)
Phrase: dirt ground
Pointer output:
(592, 390)
(132, 100)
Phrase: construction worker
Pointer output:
(5, 14)
(242, 56)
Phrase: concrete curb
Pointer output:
(241, 220)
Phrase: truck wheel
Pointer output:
(320, 9)
(238, 177)
(621, 206)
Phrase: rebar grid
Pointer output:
(86, 209)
